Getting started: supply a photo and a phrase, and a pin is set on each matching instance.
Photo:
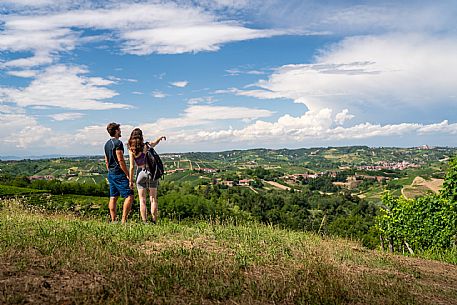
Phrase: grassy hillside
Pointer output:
(49, 258)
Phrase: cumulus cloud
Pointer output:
(193, 129)
(343, 116)
(64, 87)
(20, 131)
(312, 127)
(443, 127)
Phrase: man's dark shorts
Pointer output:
(119, 185)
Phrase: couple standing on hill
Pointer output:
(121, 181)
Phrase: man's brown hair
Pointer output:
(112, 127)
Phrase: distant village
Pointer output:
(351, 182)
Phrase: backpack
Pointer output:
(154, 164)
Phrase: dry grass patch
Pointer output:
(203, 243)
(29, 278)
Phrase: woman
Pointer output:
(137, 155)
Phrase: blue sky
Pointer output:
(226, 74)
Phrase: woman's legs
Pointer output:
(154, 205)
(143, 208)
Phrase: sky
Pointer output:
(216, 75)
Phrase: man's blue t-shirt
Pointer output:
(110, 152)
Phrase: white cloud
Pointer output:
(29, 2)
(398, 17)
(312, 127)
(203, 115)
(6, 109)
(64, 87)
(33, 61)
(44, 43)
(20, 131)
(343, 18)
(23, 73)
(201, 100)
(159, 94)
(443, 127)
(371, 71)
(137, 92)
(193, 129)
(236, 71)
(180, 84)
(96, 135)
(141, 28)
(343, 116)
(225, 113)
(189, 38)
(66, 116)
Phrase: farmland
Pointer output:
(206, 167)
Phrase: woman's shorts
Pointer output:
(143, 181)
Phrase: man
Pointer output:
(118, 174)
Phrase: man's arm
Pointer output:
(120, 159)
(154, 143)
(106, 163)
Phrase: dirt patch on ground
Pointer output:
(420, 187)
(277, 185)
(433, 184)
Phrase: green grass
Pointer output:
(47, 258)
